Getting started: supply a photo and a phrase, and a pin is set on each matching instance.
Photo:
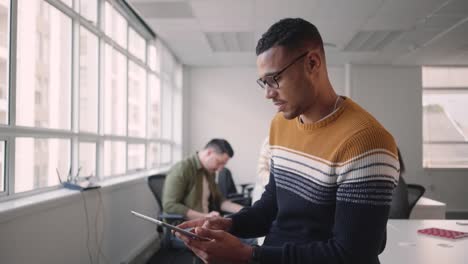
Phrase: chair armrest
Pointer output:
(245, 185)
(245, 201)
(235, 196)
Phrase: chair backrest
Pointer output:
(156, 185)
(226, 183)
(415, 191)
(399, 208)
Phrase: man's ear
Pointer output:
(209, 151)
(314, 61)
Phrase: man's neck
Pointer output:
(325, 108)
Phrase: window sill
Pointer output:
(13, 208)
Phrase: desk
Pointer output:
(406, 246)
(427, 208)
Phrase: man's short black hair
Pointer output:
(220, 146)
(291, 33)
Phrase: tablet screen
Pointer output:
(175, 228)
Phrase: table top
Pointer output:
(405, 245)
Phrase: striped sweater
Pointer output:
(329, 193)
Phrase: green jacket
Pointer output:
(184, 186)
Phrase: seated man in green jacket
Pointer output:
(190, 188)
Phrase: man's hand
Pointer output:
(223, 247)
(212, 214)
(214, 223)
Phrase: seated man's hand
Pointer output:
(212, 214)
(223, 247)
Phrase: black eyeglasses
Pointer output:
(271, 79)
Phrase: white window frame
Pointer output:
(10, 132)
(442, 142)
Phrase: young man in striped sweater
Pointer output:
(333, 167)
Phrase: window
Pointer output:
(445, 126)
(39, 162)
(4, 62)
(136, 101)
(88, 81)
(115, 93)
(87, 160)
(40, 72)
(114, 158)
(136, 156)
(153, 58)
(88, 9)
(166, 154)
(154, 112)
(79, 109)
(67, 2)
(116, 25)
(136, 44)
(153, 155)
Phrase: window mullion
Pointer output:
(127, 61)
(10, 142)
(75, 95)
(101, 87)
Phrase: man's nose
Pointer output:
(270, 92)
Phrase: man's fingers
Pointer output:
(209, 233)
(192, 223)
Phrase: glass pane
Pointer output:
(114, 158)
(37, 161)
(167, 110)
(153, 155)
(115, 93)
(166, 154)
(154, 112)
(88, 9)
(4, 62)
(87, 160)
(88, 81)
(136, 100)
(445, 155)
(137, 44)
(116, 25)
(153, 58)
(445, 77)
(136, 156)
(2, 166)
(43, 66)
(444, 115)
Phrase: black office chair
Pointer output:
(156, 185)
(172, 250)
(415, 191)
(228, 188)
(405, 197)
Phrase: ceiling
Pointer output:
(400, 32)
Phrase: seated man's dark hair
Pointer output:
(220, 146)
(291, 33)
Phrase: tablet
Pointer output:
(171, 227)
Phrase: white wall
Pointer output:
(393, 95)
(227, 102)
(55, 231)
